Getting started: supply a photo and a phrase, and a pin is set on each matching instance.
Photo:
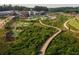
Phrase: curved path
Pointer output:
(3, 22)
(65, 25)
(44, 47)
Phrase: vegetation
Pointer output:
(2, 32)
(40, 8)
(20, 8)
(58, 22)
(29, 35)
(65, 9)
(64, 44)
(29, 40)
(10, 7)
(74, 23)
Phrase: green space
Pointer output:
(2, 32)
(64, 44)
(19, 26)
(58, 22)
(29, 40)
(73, 23)
(24, 35)
(29, 36)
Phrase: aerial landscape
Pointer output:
(39, 29)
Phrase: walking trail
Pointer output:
(3, 22)
(45, 45)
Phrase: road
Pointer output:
(45, 45)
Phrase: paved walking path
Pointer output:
(45, 45)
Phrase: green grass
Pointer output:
(2, 32)
(74, 23)
(58, 22)
(21, 23)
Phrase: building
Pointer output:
(23, 14)
(7, 13)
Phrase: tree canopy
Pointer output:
(40, 8)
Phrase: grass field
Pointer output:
(74, 23)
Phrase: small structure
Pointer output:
(36, 13)
(24, 14)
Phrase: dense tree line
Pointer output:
(10, 7)
(39, 8)
(64, 9)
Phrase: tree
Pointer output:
(40, 8)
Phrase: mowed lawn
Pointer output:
(74, 23)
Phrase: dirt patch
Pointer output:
(1, 24)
